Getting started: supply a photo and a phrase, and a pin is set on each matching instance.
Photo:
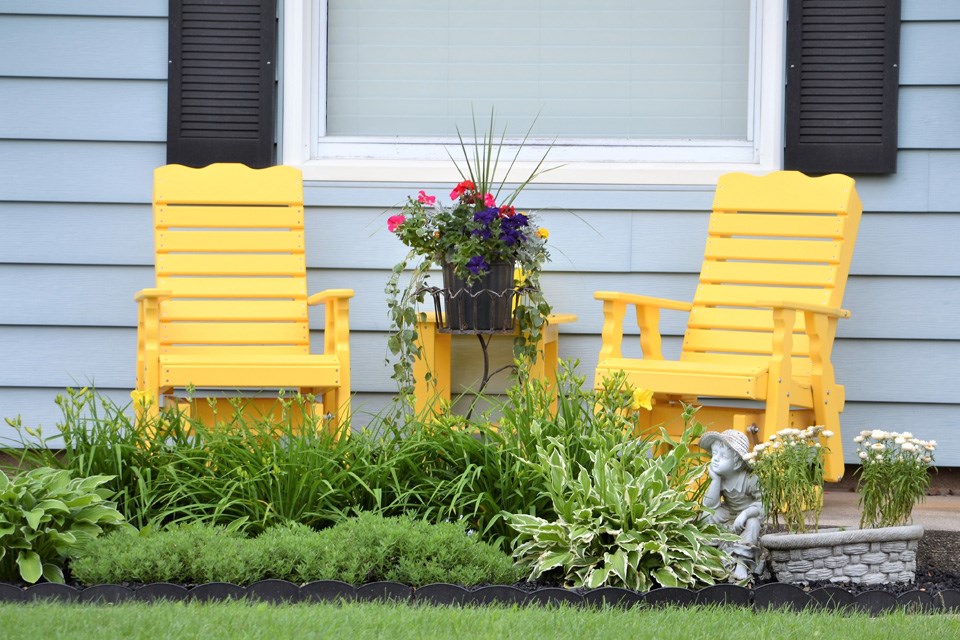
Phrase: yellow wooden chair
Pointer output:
(229, 310)
(763, 319)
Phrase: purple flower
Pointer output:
(486, 216)
(476, 264)
(511, 237)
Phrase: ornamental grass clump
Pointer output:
(893, 476)
(789, 468)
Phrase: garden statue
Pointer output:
(734, 497)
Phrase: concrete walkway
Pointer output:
(935, 513)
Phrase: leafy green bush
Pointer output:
(625, 518)
(45, 517)
(246, 473)
(370, 548)
(359, 550)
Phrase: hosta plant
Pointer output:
(894, 476)
(45, 517)
(627, 519)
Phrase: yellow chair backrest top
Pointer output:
(784, 237)
(230, 248)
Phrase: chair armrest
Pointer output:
(336, 330)
(330, 294)
(830, 312)
(152, 294)
(648, 320)
(646, 301)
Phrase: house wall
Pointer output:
(82, 125)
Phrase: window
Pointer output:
(625, 90)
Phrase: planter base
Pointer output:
(884, 555)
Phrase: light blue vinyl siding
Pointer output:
(80, 109)
(82, 126)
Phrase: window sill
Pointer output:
(573, 173)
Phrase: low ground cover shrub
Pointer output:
(45, 517)
(358, 550)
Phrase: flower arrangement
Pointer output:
(894, 476)
(789, 468)
(481, 228)
(472, 234)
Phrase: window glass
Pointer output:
(590, 71)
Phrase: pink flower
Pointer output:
(394, 222)
(422, 197)
(488, 201)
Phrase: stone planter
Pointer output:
(853, 556)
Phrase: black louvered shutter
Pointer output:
(842, 84)
(221, 93)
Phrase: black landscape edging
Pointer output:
(768, 596)
(781, 596)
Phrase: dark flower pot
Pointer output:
(485, 305)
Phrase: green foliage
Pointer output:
(624, 518)
(789, 469)
(358, 550)
(254, 476)
(45, 517)
(370, 548)
(894, 476)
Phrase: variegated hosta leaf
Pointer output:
(47, 516)
(625, 522)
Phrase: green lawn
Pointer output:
(357, 621)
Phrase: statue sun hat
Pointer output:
(731, 437)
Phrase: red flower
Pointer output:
(394, 222)
(460, 189)
(423, 198)
(507, 211)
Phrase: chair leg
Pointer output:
(830, 419)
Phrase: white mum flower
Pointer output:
(907, 435)
(876, 434)
(877, 446)
(900, 440)
(909, 447)
(929, 447)
(927, 459)
(858, 439)
(863, 455)
(827, 433)
(932, 443)
(864, 434)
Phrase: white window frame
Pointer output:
(360, 159)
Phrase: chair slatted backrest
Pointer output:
(782, 237)
(230, 247)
